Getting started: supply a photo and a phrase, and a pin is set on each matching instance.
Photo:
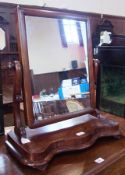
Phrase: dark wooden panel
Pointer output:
(46, 81)
(53, 80)
(119, 25)
(77, 73)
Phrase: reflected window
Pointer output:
(70, 29)
(70, 32)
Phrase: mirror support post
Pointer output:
(17, 98)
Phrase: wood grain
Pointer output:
(60, 137)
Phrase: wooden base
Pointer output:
(72, 134)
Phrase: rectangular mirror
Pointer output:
(57, 65)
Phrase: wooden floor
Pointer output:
(112, 150)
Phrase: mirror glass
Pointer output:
(58, 61)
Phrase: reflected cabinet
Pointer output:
(56, 57)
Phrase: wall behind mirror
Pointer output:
(58, 60)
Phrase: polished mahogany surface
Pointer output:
(73, 134)
(78, 162)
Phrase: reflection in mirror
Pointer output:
(57, 50)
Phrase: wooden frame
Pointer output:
(22, 44)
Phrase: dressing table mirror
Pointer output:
(59, 75)
(55, 85)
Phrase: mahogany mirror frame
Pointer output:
(23, 54)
